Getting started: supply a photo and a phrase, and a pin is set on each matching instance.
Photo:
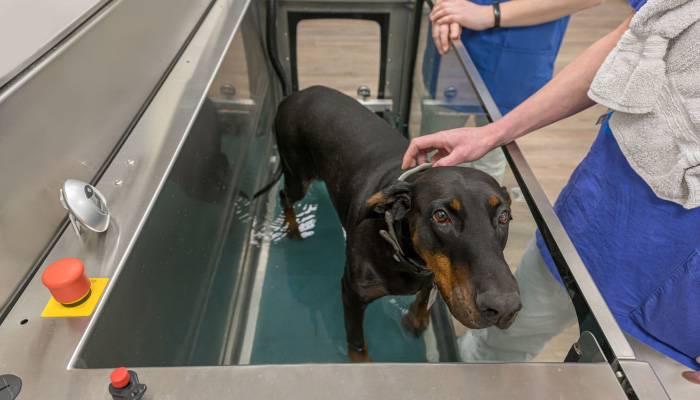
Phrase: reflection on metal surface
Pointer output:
(30, 28)
(194, 242)
(99, 80)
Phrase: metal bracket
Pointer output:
(586, 350)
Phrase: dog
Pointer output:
(441, 229)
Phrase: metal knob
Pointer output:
(228, 90)
(363, 91)
(450, 92)
(86, 206)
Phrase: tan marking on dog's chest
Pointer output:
(377, 198)
(441, 266)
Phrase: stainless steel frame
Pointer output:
(26, 35)
(44, 352)
(65, 117)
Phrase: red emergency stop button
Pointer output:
(67, 281)
(120, 377)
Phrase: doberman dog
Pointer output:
(449, 225)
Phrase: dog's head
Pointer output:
(458, 220)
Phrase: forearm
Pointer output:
(534, 12)
(563, 96)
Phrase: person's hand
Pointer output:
(442, 33)
(452, 147)
(449, 16)
(690, 376)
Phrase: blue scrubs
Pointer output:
(642, 252)
(513, 62)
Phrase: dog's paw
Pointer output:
(415, 325)
(294, 234)
(357, 355)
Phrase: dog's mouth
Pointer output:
(457, 292)
(463, 308)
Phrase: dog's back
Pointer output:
(324, 134)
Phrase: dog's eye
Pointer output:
(504, 217)
(441, 216)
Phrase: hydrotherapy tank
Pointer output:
(170, 118)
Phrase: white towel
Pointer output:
(652, 80)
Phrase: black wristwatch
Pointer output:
(497, 15)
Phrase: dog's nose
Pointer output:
(498, 308)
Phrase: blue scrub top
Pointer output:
(513, 62)
(642, 252)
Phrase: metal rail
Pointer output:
(592, 311)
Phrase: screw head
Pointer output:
(363, 91)
(450, 92)
(228, 90)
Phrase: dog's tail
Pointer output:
(275, 178)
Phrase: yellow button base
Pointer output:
(56, 309)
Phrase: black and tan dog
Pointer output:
(451, 222)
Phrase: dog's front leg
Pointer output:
(354, 311)
(418, 317)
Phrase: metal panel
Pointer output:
(41, 349)
(644, 381)
(30, 28)
(192, 232)
(667, 372)
(64, 118)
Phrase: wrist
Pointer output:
(502, 132)
(484, 17)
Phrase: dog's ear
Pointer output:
(506, 195)
(395, 198)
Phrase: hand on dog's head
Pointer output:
(458, 221)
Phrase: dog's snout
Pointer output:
(499, 308)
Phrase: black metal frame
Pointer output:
(294, 17)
